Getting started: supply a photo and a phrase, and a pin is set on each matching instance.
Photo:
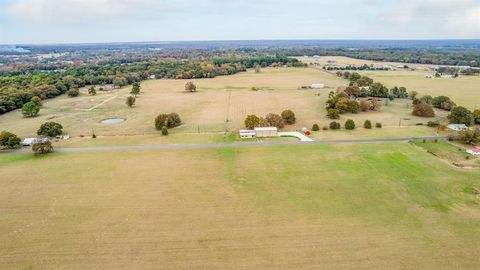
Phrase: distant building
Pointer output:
(263, 132)
(474, 151)
(32, 141)
(152, 77)
(317, 86)
(247, 134)
(457, 127)
(429, 76)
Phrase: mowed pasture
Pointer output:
(221, 104)
(363, 206)
(464, 90)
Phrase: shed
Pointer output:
(474, 151)
(262, 132)
(31, 141)
(247, 134)
(457, 127)
(317, 86)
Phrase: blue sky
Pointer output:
(71, 21)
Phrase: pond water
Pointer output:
(112, 121)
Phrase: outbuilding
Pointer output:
(263, 132)
(247, 134)
(32, 141)
(317, 86)
(474, 151)
(457, 127)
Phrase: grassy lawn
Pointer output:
(357, 206)
(452, 153)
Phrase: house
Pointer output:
(474, 151)
(247, 134)
(457, 127)
(317, 86)
(262, 132)
(32, 141)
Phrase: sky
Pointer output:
(87, 21)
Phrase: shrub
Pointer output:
(349, 124)
(325, 127)
(169, 120)
(333, 113)
(378, 125)
(37, 101)
(9, 140)
(432, 124)
(50, 129)
(469, 136)
(315, 127)
(460, 115)
(353, 106)
(190, 87)
(253, 88)
(30, 109)
(334, 125)
(275, 120)
(367, 124)
(135, 89)
(130, 101)
(288, 117)
(92, 90)
(74, 92)
(42, 147)
(94, 136)
(252, 121)
(164, 131)
(423, 110)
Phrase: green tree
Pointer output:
(120, 81)
(130, 101)
(334, 125)
(37, 101)
(367, 124)
(9, 140)
(74, 92)
(315, 127)
(288, 117)
(30, 109)
(164, 131)
(190, 87)
(42, 148)
(476, 116)
(412, 95)
(349, 124)
(135, 89)
(460, 115)
(92, 90)
(333, 113)
(252, 121)
(50, 129)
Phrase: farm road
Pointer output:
(220, 145)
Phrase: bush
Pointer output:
(37, 101)
(252, 121)
(253, 88)
(74, 92)
(92, 90)
(378, 125)
(334, 125)
(50, 129)
(42, 148)
(275, 120)
(333, 113)
(288, 117)
(325, 127)
(169, 120)
(315, 127)
(164, 131)
(190, 87)
(423, 110)
(130, 101)
(469, 136)
(135, 89)
(30, 109)
(432, 124)
(367, 124)
(349, 124)
(9, 140)
(461, 115)
(353, 106)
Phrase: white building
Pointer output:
(247, 134)
(32, 141)
(262, 132)
(474, 151)
(457, 127)
(317, 86)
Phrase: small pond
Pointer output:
(112, 121)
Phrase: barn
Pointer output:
(263, 132)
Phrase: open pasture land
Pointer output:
(380, 206)
(221, 104)
(464, 90)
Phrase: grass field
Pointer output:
(389, 206)
(463, 90)
(220, 105)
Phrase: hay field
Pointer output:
(465, 90)
(221, 104)
(381, 206)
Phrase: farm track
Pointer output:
(221, 145)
